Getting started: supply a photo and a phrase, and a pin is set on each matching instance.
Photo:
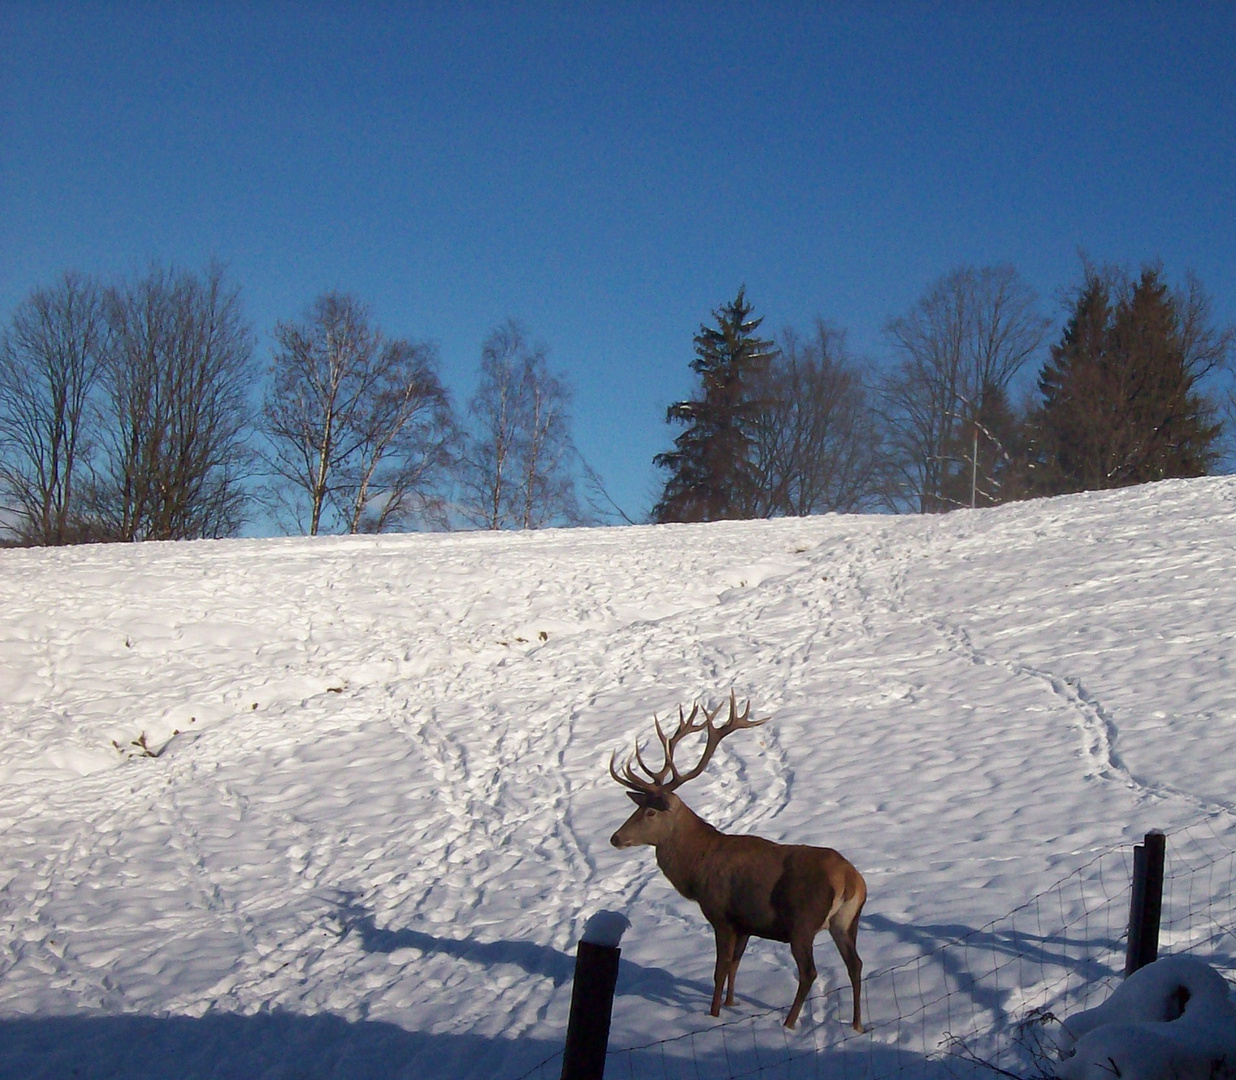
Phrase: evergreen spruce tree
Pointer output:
(1170, 426)
(1071, 425)
(1120, 403)
(711, 478)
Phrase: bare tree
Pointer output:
(815, 438)
(175, 407)
(1209, 349)
(489, 467)
(50, 358)
(964, 340)
(546, 482)
(518, 470)
(359, 424)
(406, 445)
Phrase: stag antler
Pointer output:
(657, 784)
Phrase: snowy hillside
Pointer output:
(379, 814)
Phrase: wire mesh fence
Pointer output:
(985, 1003)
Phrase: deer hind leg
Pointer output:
(727, 960)
(804, 957)
(740, 945)
(844, 931)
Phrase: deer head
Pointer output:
(658, 807)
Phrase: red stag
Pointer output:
(744, 884)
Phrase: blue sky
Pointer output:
(611, 173)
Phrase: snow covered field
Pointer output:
(380, 811)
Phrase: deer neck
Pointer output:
(683, 855)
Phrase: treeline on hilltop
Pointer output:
(139, 410)
(1134, 390)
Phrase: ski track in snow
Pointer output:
(382, 793)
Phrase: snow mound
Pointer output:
(606, 928)
(1171, 1020)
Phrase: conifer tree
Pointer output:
(1120, 402)
(711, 477)
(1069, 427)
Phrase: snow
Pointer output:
(606, 928)
(341, 807)
(1173, 1018)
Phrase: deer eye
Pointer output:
(649, 812)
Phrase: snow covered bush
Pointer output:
(1171, 1020)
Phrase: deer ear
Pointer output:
(638, 797)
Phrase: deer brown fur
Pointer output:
(745, 885)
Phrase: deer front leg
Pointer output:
(726, 941)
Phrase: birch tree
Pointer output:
(518, 470)
(359, 426)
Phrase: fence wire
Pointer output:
(986, 1003)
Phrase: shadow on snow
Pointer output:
(270, 1046)
(283, 1046)
(654, 983)
(276, 1045)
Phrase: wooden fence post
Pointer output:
(1146, 903)
(592, 997)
